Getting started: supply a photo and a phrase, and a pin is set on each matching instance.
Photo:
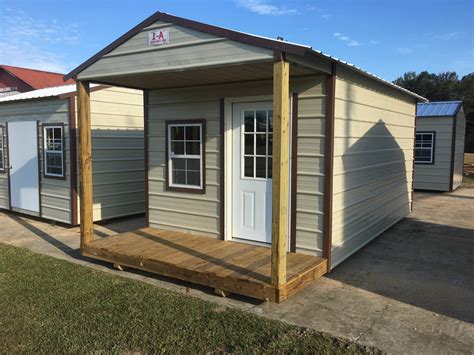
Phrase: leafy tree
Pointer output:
(445, 87)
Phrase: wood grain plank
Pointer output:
(228, 266)
(280, 176)
(85, 163)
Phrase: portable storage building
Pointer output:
(256, 142)
(38, 146)
(439, 150)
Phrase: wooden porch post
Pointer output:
(85, 162)
(280, 176)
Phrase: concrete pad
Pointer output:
(409, 291)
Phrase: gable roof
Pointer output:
(54, 91)
(258, 41)
(438, 108)
(37, 79)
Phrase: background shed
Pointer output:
(14, 80)
(439, 151)
(117, 152)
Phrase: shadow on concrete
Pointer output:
(54, 241)
(423, 264)
(47, 237)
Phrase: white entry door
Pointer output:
(252, 138)
(23, 153)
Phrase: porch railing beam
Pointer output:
(85, 162)
(280, 175)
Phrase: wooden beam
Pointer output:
(280, 175)
(85, 162)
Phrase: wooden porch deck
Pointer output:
(228, 266)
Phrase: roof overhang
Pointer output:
(299, 55)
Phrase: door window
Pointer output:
(257, 138)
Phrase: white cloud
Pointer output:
(353, 43)
(326, 16)
(404, 50)
(263, 7)
(447, 36)
(349, 41)
(25, 41)
(26, 55)
(374, 42)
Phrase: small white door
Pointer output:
(252, 138)
(23, 153)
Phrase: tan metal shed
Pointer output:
(439, 149)
(38, 161)
(256, 142)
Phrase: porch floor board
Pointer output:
(228, 266)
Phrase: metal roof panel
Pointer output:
(42, 93)
(438, 108)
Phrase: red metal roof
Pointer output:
(37, 79)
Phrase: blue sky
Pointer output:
(384, 37)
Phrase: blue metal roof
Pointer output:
(439, 108)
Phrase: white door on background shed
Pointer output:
(252, 140)
(23, 154)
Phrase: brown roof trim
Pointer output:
(198, 26)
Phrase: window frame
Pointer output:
(63, 151)
(3, 169)
(432, 148)
(170, 186)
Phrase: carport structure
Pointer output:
(206, 86)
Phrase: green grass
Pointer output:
(51, 306)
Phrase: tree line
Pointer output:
(445, 87)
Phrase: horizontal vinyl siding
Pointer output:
(310, 166)
(187, 48)
(436, 176)
(373, 161)
(459, 150)
(200, 214)
(188, 212)
(55, 193)
(118, 170)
